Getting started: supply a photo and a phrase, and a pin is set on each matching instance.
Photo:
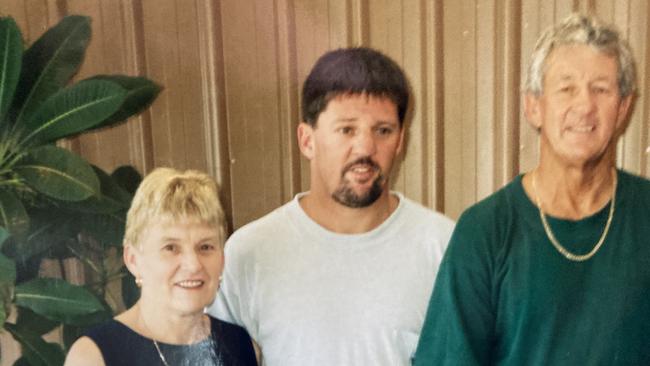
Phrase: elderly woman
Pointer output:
(174, 247)
(554, 269)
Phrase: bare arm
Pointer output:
(84, 352)
(258, 352)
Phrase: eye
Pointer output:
(346, 130)
(600, 90)
(385, 130)
(207, 247)
(170, 248)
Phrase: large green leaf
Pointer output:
(4, 235)
(49, 227)
(22, 361)
(7, 279)
(35, 349)
(11, 55)
(58, 173)
(7, 269)
(127, 177)
(50, 62)
(112, 197)
(108, 229)
(33, 322)
(57, 299)
(73, 110)
(13, 216)
(141, 92)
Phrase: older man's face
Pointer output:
(580, 111)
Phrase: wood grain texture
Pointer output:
(232, 71)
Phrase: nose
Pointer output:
(190, 261)
(365, 143)
(585, 101)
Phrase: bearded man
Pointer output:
(340, 275)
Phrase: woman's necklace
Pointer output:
(155, 343)
(160, 354)
(553, 239)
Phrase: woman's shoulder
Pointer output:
(84, 351)
(88, 349)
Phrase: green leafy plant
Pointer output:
(53, 204)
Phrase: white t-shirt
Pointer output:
(309, 296)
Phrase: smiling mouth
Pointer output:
(190, 284)
(582, 129)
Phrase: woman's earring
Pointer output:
(138, 281)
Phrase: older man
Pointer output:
(554, 269)
(341, 275)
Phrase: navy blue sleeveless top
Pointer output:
(229, 345)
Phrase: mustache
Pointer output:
(361, 161)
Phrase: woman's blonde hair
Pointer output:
(169, 194)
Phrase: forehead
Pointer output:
(178, 227)
(578, 61)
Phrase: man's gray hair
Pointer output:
(586, 30)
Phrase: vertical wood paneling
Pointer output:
(460, 105)
(487, 91)
(171, 48)
(288, 99)
(252, 101)
(232, 71)
(433, 105)
(508, 20)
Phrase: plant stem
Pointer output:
(64, 275)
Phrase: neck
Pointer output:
(571, 192)
(346, 220)
(164, 326)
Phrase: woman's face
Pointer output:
(179, 263)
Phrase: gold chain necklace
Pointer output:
(553, 239)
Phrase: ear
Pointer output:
(532, 110)
(400, 143)
(305, 134)
(131, 259)
(623, 114)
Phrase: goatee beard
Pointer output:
(346, 196)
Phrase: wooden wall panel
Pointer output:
(252, 102)
(232, 71)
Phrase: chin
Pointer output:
(190, 306)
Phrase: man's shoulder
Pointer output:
(272, 225)
(497, 202)
(423, 218)
(424, 214)
(640, 183)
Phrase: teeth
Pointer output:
(582, 128)
(361, 170)
(190, 284)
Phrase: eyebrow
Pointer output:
(567, 77)
(345, 119)
(173, 238)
